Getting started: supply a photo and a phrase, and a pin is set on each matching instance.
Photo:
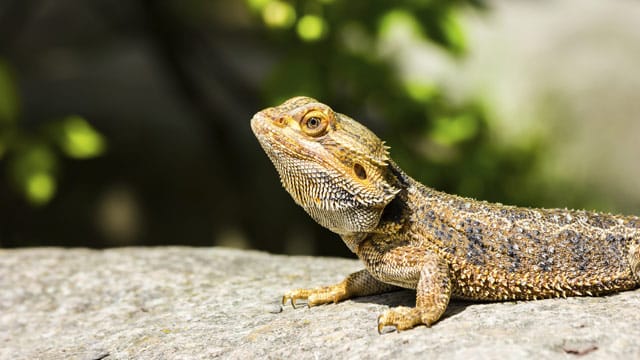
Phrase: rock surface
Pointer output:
(202, 303)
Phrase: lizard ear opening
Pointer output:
(360, 172)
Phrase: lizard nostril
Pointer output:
(280, 120)
(360, 171)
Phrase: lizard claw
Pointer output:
(401, 318)
(287, 298)
(293, 303)
(314, 297)
(292, 297)
(381, 325)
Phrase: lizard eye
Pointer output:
(314, 123)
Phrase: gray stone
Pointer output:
(202, 303)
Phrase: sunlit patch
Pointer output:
(454, 32)
(399, 21)
(33, 172)
(79, 140)
(257, 5)
(311, 28)
(421, 91)
(455, 129)
(278, 14)
(40, 188)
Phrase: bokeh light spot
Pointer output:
(278, 14)
(40, 188)
(311, 27)
(454, 32)
(80, 140)
(421, 91)
(399, 21)
(257, 5)
(455, 129)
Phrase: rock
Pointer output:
(202, 303)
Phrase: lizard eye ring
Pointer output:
(314, 123)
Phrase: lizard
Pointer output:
(444, 246)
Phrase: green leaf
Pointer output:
(311, 28)
(399, 21)
(32, 169)
(453, 130)
(40, 187)
(454, 32)
(421, 91)
(257, 5)
(278, 14)
(78, 139)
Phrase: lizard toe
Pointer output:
(293, 296)
(401, 318)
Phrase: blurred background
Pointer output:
(127, 122)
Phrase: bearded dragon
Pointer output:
(411, 236)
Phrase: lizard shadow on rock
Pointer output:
(408, 298)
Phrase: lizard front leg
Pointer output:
(433, 291)
(359, 283)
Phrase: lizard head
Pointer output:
(334, 167)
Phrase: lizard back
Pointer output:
(500, 252)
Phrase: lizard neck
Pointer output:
(354, 240)
(395, 215)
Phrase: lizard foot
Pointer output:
(401, 318)
(316, 296)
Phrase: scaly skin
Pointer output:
(410, 236)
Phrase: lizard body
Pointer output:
(411, 236)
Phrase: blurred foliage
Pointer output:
(335, 51)
(330, 49)
(32, 160)
(172, 85)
